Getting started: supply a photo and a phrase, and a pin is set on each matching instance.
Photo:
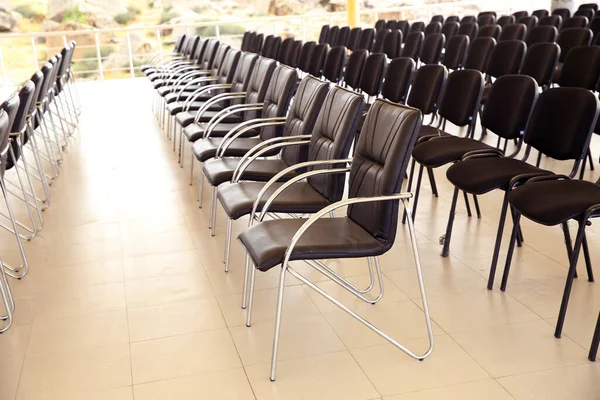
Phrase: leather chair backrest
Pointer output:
(589, 13)
(513, 32)
(391, 24)
(541, 34)
(192, 46)
(366, 39)
(540, 13)
(26, 97)
(540, 62)
(199, 51)
(520, 14)
(438, 18)
(353, 39)
(575, 22)
(47, 71)
(485, 19)
(294, 54)
(334, 31)
(343, 36)
(246, 40)
(285, 49)
(573, 37)
(468, 19)
(332, 137)
(243, 72)
(595, 25)
(397, 79)
(373, 73)
(450, 29)
(470, 29)
(392, 46)
(485, 13)
(275, 49)
(551, 20)
(228, 66)
(506, 58)
(433, 27)
(426, 88)
(563, 12)
(305, 54)
(530, 22)
(418, 26)
(209, 53)
(413, 45)
(277, 99)
(302, 116)
(266, 49)
(506, 20)
(562, 121)
(380, 24)
(4, 137)
(509, 105)
(11, 107)
(593, 6)
(581, 68)
(379, 165)
(219, 58)
(380, 40)
(432, 48)
(179, 43)
(489, 30)
(354, 69)
(323, 34)
(479, 53)
(461, 97)
(259, 82)
(38, 80)
(258, 43)
(404, 26)
(317, 60)
(456, 49)
(334, 64)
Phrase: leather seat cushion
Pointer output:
(553, 202)
(171, 97)
(207, 148)
(196, 131)
(481, 175)
(328, 238)
(438, 152)
(427, 130)
(238, 199)
(186, 118)
(177, 107)
(221, 170)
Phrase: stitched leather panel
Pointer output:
(277, 99)
(26, 95)
(257, 87)
(380, 160)
(331, 139)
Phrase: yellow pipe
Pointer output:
(353, 13)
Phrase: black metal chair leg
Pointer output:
(511, 248)
(539, 160)
(569, 284)
(519, 235)
(448, 235)
(568, 242)
(582, 170)
(432, 182)
(410, 182)
(417, 192)
(588, 259)
(467, 204)
(498, 242)
(595, 341)
(477, 209)
(590, 159)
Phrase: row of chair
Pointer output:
(36, 122)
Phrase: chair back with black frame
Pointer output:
(573, 37)
(380, 24)
(342, 36)
(404, 26)
(469, 28)
(323, 34)
(506, 20)
(413, 45)
(551, 20)
(541, 13)
(380, 39)
(513, 32)
(520, 14)
(432, 48)
(575, 22)
(585, 12)
(334, 31)
(333, 70)
(479, 53)
(433, 27)
(563, 12)
(354, 39)
(318, 55)
(450, 29)
(456, 50)
(354, 68)
(418, 26)
(304, 57)
(541, 34)
(540, 63)
(397, 79)
(530, 22)
(367, 37)
(489, 30)
(392, 45)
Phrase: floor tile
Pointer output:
(487, 389)
(169, 289)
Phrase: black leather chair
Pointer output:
(563, 12)
(456, 50)
(305, 56)
(418, 26)
(469, 28)
(539, 14)
(432, 48)
(572, 37)
(520, 14)
(367, 37)
(506, 20)
(372, 75)
(413, 45)
(367, 230)
(513, 32)
(437, 18)
(354, 39)
(589, 13)
(575, 22)
(489, 30)
(334, 31)
(593, 6)
(453, 18)
(540, 62)
(530, 22)
(342, 36)
(397, 79)
(354, 68)
(506, 59)
(485, 19)
(450, 29)
(479, 53)
(333, 70)
(390, 24)
(392, 46)
(404, 26)
(380, 39)
(541, 34)
(380, 24)
(468, 19)
(551, 20)
(432, 28)
(595, 26)
(317, 60)
(323, 34)
(336, 117)
(561, 135)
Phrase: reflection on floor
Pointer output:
(127, 297)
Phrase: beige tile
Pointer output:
(168, 289)
(230, 384)
(183, 355)
(392, 372)
(13, 343)
(10, 372)
(300, 336)
(158, 265)
(520, 348)
(327, 376)
(487, 389)
(575, 382)
(66, 374)
(82, 253)
(71, 303)
(55, 336)
(233, 281)
(401, 320)
(296, 301)
(162, 243)
(174, 319)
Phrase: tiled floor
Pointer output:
(127, 297)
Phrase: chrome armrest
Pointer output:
(193, 76)
(244, 127)
(286, 171)
(224, 113)
(198, 92)
(195, 81)
(217, 99)
(263, 147)
(184, 70)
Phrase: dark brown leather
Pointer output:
(513, 32)
(277, 99)
(540, 62)
(397, 79)
(207, 148)
(432, 48)
(456, 50)
(354, 69)
(541, 34)
(506, 58)
(571, 38)
(461, 97)
(218, 171)
(196, 131)
(479, 53)
(426, 88)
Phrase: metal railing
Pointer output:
(113, 52)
